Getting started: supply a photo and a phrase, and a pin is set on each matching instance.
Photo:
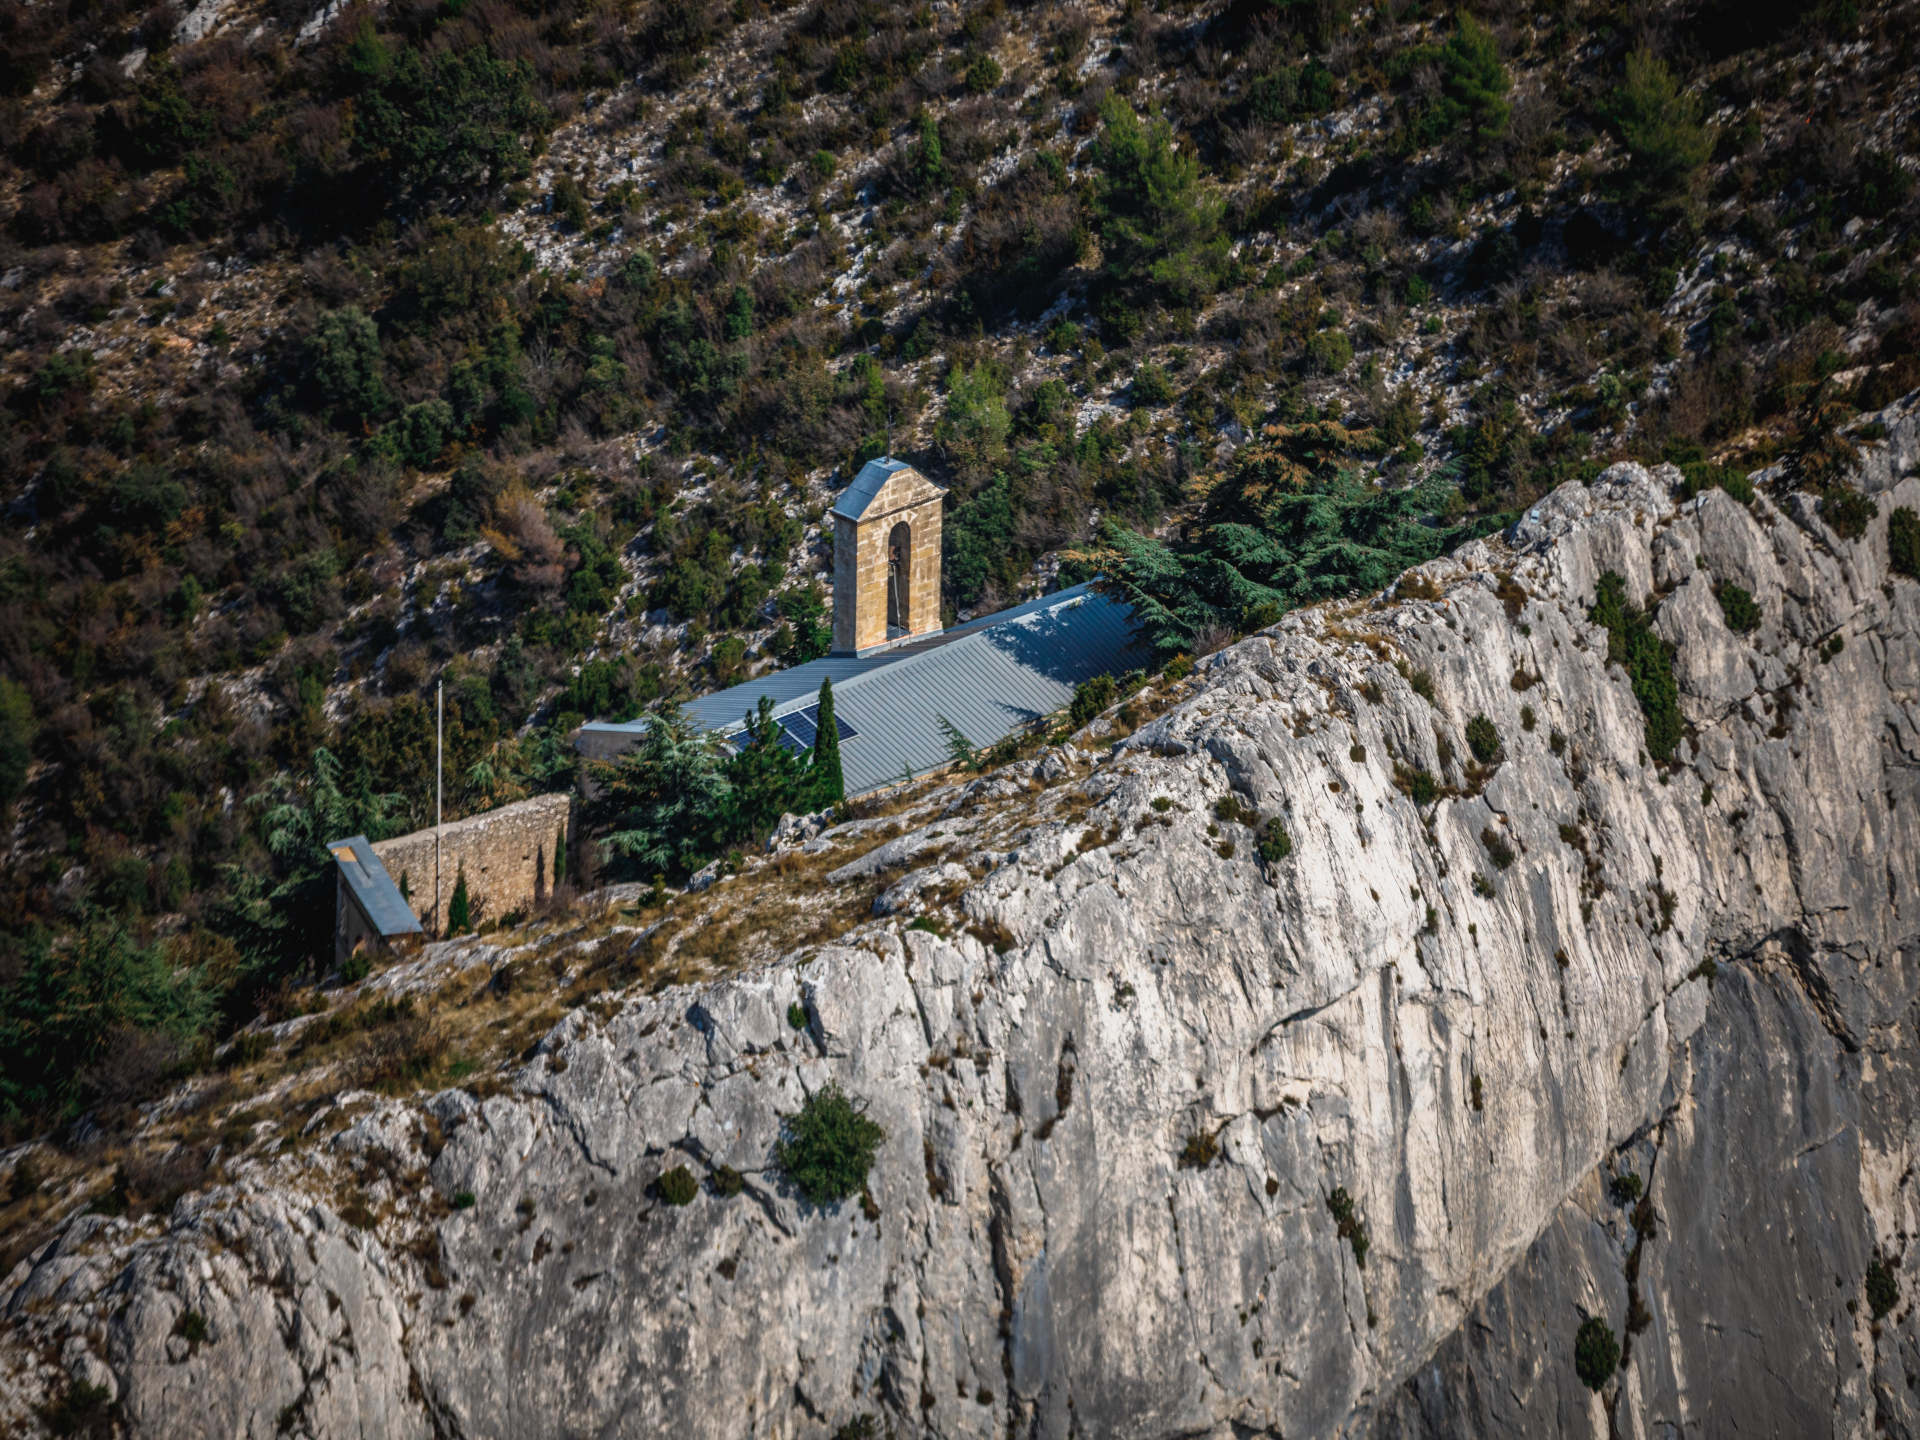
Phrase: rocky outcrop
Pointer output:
(1187, 1135)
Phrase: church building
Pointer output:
(897, 674)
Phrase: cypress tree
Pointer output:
(829, 785)
(560, 858)
(460, 908)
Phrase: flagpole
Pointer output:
(439, 742)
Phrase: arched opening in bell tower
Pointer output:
(899, 579)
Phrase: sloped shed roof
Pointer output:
(386, 908)
(987, 678)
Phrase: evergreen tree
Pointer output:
(1296, 519)
(560, 859)
(16, 740)
(345, 366)
(460, 908)
(1474, 85)
(829, 785)
(768, 779)
(1659, 123)
(1159, 226)
(663, 801)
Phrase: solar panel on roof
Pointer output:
(799, 730)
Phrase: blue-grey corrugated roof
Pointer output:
(373, 887)
(988, 678)
(857, 497)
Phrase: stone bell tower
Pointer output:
(886, 558)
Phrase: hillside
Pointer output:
(1329, 1056)
(519, 348)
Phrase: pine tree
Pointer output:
(768, 779)
(1667, 140)
(460, 908)
(829, 784)
(1474, 84)
(1158, 222)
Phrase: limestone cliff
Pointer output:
(1153, 1093)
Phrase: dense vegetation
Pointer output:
(1295, 519)
(674, 801)
(518, 347)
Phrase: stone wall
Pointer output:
(860, 564)
(507, 854)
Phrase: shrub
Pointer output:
(191, 1327)
(1883, 1288)
(1090, 697)
(463, 1200)
(1738, 606)
(983, 75)
(797, 1015)
(1151, 386)
(1660, 125)
(1847, 511)
(1596, 1353)
(448, 122)
(1647, 659)
(1420, 786)
(727, 1181)
(1200, 1151)
(83, 1410)
(16, 739)
(1699, 476)
(677, 1186)
(1473, 89)
(1348, 1224)
(828, 1147)
(345, 367)
(1329, 352)
(1625, 1189)
(1483, 887)
(1483, 739)
(1903, 542)
(1498, 850)
(1422, 683)
(460, 907)
(1235, 811)
(1275, 843)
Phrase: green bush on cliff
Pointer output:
(828, 1147)
(1883, 1288)
(1903, 542)
(1647, 659)
(1596, 1353)
(677, 1186)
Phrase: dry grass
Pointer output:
(475, 1024)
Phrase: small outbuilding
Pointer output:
(369, 911)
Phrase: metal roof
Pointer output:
(387, 909)
(987, 678)
(858, 497)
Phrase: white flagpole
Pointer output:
(439, 741)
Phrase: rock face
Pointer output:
(1186, 1136)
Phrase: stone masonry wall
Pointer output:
(860, 564)
(507, 854)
